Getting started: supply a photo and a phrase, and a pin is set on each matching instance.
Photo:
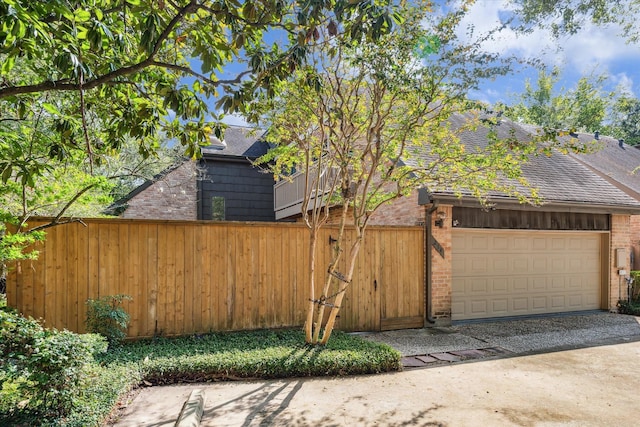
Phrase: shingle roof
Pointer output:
(240, 142)
(560, 179)
(616, 162)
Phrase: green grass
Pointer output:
(218, 356)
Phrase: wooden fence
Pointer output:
(192, 277)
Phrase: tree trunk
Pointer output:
(337, 253)
(308, 327)
(328, 329)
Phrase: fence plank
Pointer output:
(153, 271)
(83, 274)
(71, 277)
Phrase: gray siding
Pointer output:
(247, 191)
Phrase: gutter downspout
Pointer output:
(427, 253)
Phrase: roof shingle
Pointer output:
(559, 178)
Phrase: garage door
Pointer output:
(511, 273)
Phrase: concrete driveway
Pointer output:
(585, 375)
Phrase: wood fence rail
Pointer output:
(195, 277)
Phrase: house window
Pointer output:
(217, 208)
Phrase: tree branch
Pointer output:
(66, 85)
(190, 71)
(57, 219)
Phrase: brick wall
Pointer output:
(620, 238)
(402, 211)
(635, 240)
(441, 268)
(172, 197)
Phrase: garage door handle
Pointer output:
(375, 285)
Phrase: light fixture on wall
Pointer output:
(441, 217)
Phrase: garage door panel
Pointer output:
(519, 263)
(519, 284)
(575, 301)
(538, 284)
(479, 243)
(520, 244)
(539, 244)
(479, 307)
(520, 304)
(480, 286)
(499, 285)
(500, 306)
(539, 262)
(500, 243)
(506, 273)
(558, 301)
(457, 309)
(539, 303)
(559, 265)
(558, 244)
(558, 283)
(591, 244)
(458, 286)
(500, 265)
(479, 265)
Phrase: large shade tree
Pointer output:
(368, 124)
(80, 79)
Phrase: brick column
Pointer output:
(441, 268)
(620, 239)
(635, 240)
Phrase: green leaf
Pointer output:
(6, 174)
(52, 109)
(8, 64)
(81, 15)
(82, 33)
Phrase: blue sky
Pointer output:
(594, 51)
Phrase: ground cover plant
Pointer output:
(251, 354)
(90, 381)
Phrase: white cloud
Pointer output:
(593, 49)
(484, 17)
(623, 81)
(597, 47)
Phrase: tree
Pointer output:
(624, 120)
(568, 16)
(79, 80)
(582, 108)
(62, 187)
(368, 124)
(124, 62)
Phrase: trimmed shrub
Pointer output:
(40, 368)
